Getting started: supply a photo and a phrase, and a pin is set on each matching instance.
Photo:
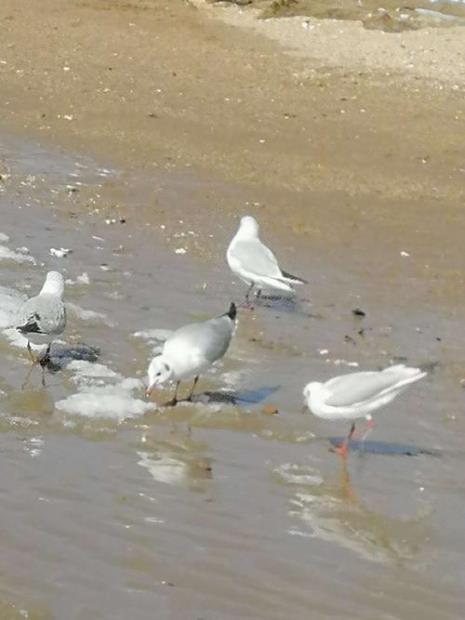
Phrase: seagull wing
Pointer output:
(256, 258)
(31, 325)
(44, 314)
(208, 340)
(348, 390)
(357, 387)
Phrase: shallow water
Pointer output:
(390, 15)
(112, 508)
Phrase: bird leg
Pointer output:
(174, 400)
(247, 303)
(343, 449)
(34, 359)
(44, 360)
(370, 426)
(189, 398)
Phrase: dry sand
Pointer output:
(436, 54)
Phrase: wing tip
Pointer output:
(29, 328)
(293, 278)
(232, 312)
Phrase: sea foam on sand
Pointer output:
(103, 393)
(20, 256)
(10, 302)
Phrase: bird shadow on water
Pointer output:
(61, 355)
(58, 358)
(384, 447)
(287, 305)
(246, 397)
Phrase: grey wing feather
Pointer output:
(358, 387)
(257, 258)
(44, 314)
(210, 339)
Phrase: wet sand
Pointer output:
(357, 157)
(249, 515)
(159, 148)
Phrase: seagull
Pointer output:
(357, 395)
(256, 264)
(190, 350)
(43, 317)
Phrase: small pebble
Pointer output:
(270, 409)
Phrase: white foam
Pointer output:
(20, 341)
(82, 279)
(19, 257)
(10, 302)
(113, 402)
(161, 335)
(87, 315)
(4, 238)
(34, 446)
(164, 468)
(60, 252)
(299, 474)
(91, 373)
(155, 337)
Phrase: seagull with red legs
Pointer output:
(357, 395)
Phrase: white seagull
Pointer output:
(43, 317)
(190, 350)
(256, 264)
(358, 394)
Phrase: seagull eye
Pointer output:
(158, 374)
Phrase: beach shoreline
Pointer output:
(203, 117)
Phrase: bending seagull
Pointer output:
(256, 264)
(190, 350)
(43, 317)
(357, 395)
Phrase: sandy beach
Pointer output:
(316, 126)
(136, 133)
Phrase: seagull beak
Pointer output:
(304, 408)
(148, 391)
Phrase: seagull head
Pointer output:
(54, 284)
(158, 373)
(312, 391)
(248, 227)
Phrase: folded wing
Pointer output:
(358, 387)
(256, 258)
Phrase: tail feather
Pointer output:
(280, 284)
(294, 279)
(232, 311)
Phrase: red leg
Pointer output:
(247, 303)
(369, 427)
(343, 449)
(367, 430)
